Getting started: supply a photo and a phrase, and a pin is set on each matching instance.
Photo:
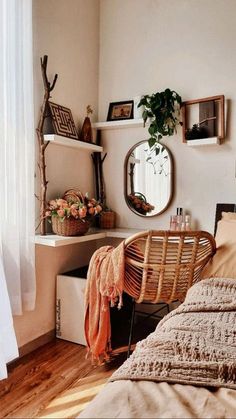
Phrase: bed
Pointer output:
(187, 367)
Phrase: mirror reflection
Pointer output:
(148, 179)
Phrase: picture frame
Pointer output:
(62, 121)
(203, 118)
(119, 111)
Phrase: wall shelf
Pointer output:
(128, 123)
(203, 141)
(207, 113)
(69, 142)
(94, 234)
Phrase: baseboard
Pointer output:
(36, 343)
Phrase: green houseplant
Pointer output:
(163, 110)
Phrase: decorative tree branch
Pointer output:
(131, 174)
(48, 87)
(99, 178)
(96, 174)
(102, 197)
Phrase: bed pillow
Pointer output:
(228, 215)
(223, 263)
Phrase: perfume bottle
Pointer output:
(173, 222)
(187, 220)
(179, 218)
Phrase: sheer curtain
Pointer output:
(17, 141)
(8, 344)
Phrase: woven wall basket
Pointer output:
(69, 227)
(107, 219)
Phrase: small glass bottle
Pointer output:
(173, 222)
(187, 220)
(183, 226)
(179, 218)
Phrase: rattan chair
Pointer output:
(160, 266)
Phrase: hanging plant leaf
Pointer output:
(151, 142)
(164, 110)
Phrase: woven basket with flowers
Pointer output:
(138, 202)
(72, 214)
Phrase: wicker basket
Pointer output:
(73, 195)
(107, 219)
(69, 226)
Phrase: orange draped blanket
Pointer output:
(105, 283)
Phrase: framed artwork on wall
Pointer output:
(203, 118)
(62, 120)
(120, 110)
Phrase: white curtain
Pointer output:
(17, 141)
(8, 344)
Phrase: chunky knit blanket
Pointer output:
(194, 344)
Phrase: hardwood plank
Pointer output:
(72, 401)
(41, 383)
(55, 379)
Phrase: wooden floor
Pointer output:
(55, 381)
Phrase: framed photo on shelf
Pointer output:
(120, 110)
(62, 120)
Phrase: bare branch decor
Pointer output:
(48, 87)
(98, 161)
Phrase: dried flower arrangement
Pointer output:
(139, 203)
(72, 214)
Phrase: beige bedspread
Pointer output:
(147, 399)
(194, 344)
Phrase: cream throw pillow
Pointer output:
(223, 263)
(228, 215)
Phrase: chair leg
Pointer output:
(131, 328)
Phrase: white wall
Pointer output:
(68, 32)
(187, 45)
(145, 46)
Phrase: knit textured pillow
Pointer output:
(223, 263)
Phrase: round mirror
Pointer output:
(148, 174)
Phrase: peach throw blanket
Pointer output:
(105, 283)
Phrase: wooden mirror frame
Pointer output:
(126, 180)
(185, 113)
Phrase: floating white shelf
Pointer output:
(55, 241)
(203, 141)
(127, 123)
(122, 233)
(69, 142)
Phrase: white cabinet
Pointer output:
(70, 307)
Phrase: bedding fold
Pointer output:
(194, 344)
